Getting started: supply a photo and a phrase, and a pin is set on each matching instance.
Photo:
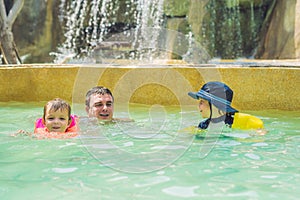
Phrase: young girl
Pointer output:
(215, 105)
(57, 120)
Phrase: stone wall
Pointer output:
(279, 41)
(38, 29)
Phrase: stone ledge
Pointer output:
(255, 88)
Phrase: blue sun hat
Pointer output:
(218, 94)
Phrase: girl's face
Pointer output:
(57, 121)
(204, 108)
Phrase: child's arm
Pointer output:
(21, 132)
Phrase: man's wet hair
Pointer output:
(96, 90)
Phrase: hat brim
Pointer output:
(216, 103)
(193, 95)
(227, 108)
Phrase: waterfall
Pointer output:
(91, 25)
(149, 22)
(224, 29)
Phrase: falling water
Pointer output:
(224, 29)
(134, 29)
(233, 27)
(91, 25)
(252, 22)
(149, 14)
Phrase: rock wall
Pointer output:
(38, 29)
(279, 41)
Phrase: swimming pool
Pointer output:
(151, 161)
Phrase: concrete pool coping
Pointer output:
(257, 85)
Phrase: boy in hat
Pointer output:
(215, 105)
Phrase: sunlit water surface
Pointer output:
(148, 159)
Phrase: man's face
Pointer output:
(101, 107)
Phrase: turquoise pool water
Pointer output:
(148, 159)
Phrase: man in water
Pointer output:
(99, 103)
